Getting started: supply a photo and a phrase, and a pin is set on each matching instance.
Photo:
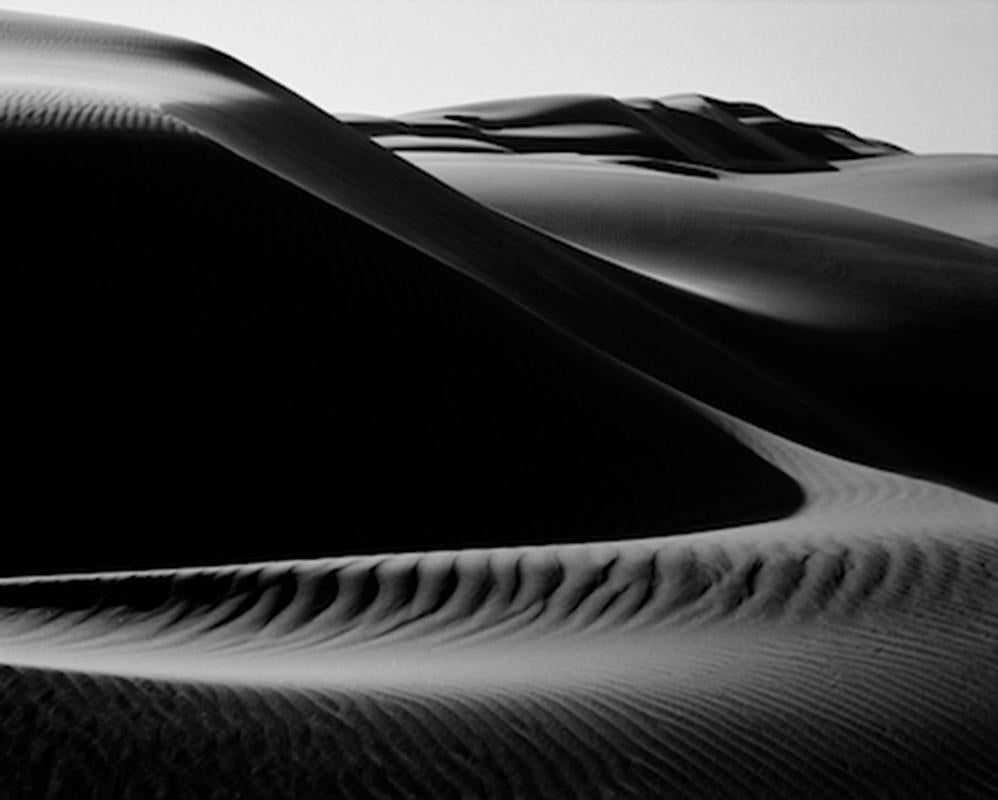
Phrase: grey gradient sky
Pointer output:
(922, 74)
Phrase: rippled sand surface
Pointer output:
(547, 447)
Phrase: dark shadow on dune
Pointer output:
(210, 365)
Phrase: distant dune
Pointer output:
(547, 447)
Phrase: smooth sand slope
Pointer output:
(957, 194)
(836, 301)
(559, 453)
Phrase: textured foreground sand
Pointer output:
(577, 448)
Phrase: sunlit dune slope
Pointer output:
(555, 447)
(851, 308)
(954, 193)
(739, 142)
(847, 651)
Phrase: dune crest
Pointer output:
(547, 447)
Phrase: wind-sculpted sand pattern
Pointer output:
(479, 468)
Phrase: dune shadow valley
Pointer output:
(561, 446)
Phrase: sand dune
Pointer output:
(687, 128)
(952, 193)
(846, 651)
(872, 304)
(550, 447)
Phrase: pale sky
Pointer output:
(919, 73)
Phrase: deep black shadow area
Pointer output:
(205, 364)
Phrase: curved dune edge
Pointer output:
(519, 302)
(819, 655)
(879, 299)
(588, 298)
(845, 650)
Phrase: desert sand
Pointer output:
(546, 447)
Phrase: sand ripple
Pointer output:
(720, 665)
(683, 496)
